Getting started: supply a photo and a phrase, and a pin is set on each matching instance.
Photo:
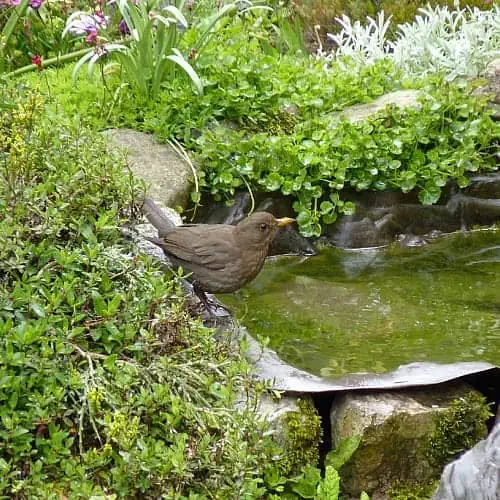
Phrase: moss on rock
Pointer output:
(406, 436)
(459, 428)
(301, 437)
(413, 491)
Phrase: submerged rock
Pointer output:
(404, 436)
(476, 474)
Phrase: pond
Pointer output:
(371, 310)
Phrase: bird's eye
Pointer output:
(263, 227)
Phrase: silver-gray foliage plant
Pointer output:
(459, 42)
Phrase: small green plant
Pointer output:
(343, 452)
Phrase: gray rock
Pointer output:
(476, 474)
(295, 426)
(399, 98)
(293, 423)
(274, 411)
(492, 75)
(395, 430)
(166, 174)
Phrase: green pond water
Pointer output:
(373, 310)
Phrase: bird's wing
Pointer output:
(204, 245)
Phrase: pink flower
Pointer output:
(36, 4)
(92, 35)
(9, 3)
(37, 61)
(100, 17)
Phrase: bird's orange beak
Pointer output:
(285, 221)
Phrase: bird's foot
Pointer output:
(212, 307)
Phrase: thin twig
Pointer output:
(251, 195)
(177, 146)
(80, 425)
(89, 355)
(318, 38)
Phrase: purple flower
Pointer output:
(85, 24)
(36, 4)
(124, 29)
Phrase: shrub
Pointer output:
(107, 386)
(445, 139)
(459, 43)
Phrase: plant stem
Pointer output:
(49, 62)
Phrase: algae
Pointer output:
(373, 310)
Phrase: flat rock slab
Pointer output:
(399, 98)
(166, 174)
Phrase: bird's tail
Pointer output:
(154, 215)
(157, 241)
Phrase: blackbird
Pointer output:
(220, 257)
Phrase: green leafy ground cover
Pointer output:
(107, 385)
(268, 121)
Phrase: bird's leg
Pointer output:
(201, 295)
(210, 307)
